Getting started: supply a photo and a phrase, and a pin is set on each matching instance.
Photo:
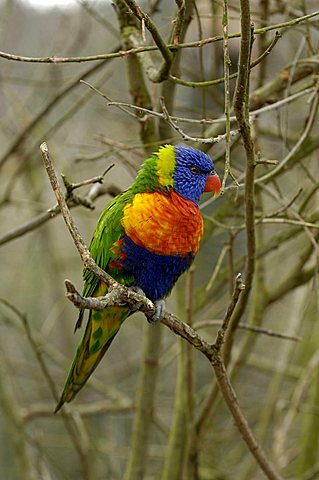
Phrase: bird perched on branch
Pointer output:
(145, 238)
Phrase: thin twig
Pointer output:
(309, 124)
(239, 287)
(187, 137)
(227, 64)
(70, 186)
(124, 53)
(37, 221)
(78, 241)
(218, 265)
(241, 109)
(208, 121)
(218, 81)
(167, 55)
(251, 328)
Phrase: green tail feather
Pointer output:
(100, 331)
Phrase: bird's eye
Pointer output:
(195, 170)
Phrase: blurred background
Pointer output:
(152, 409)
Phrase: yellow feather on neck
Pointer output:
(166, 165)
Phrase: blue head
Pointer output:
(194, 173)
(188, 171)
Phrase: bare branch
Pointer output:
(123, 53)
(177, 326)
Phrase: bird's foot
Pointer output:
(160, 309)
(138, 305)
(159, 305)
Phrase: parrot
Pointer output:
(146, 237)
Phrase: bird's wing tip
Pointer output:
(59, 405)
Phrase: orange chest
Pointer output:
(165, 225)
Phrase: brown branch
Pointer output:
(218, 81)
(239, 287)
(241, 109)
(187, 137)
(106, 406)
(177, 326)
(124, 53)
(313, 109)
(78, 241)
(179, 21)
(72, 201)
(167, 55)
(251, 328)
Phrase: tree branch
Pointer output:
(241, 109)
(212, 352)
(123, 53)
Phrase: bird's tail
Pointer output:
(101, 328)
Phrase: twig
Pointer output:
(218, 81)
(309, 124)
(78, 241)
(121, 107)
(187, 137)
(52, 212)
(288, 221)
(239, 287)
(208, 121)
(44, 410)
(285, 207)
(227, 64)
(241, 109)
(218, 265)
(124, 53)
(251, 328)
(97, 179)
(167, 55)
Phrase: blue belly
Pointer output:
(154, 274)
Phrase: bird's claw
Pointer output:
(160, 309)
(159, 305)
(137, 305)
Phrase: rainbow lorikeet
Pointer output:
(145, 238)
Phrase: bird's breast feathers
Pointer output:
(163, 224)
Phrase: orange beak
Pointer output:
(213, 184)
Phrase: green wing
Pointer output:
(103, 325)
(108, 231)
